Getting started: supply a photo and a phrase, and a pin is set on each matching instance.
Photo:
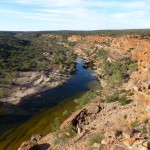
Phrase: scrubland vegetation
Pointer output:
(30, 52)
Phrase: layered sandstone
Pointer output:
(142, 76)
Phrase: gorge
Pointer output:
(35, 113)
(116, 116)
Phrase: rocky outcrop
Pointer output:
(82, 117)
(129, 43)
(31, 83)
(27, 145)
(141, 79)
(31, 144)
(128, 46)
(74, 38)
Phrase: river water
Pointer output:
(35, 115)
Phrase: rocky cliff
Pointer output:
(135, 47)
(141, 79)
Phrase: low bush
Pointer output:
(3, 92)
(111, 99)
(86, 98)
(134, 124)
(55, 125)
(102, 53)
(115, 97)
(125, 116)
(133, 67)
(97, 138)
(61, 136)
(124, 101)
(118, 133)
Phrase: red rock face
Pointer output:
(140, 80)
(74, 38)
(142, 88)
(139, 50)
(141, 55)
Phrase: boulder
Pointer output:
(71, 119)
(141, 145)
(79, 130)
(80, 117)
(120, 146)
(104, 142)
(27, 145)
(93, 109)
(96, 145)
(127, 133)
(36, 137)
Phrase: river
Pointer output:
(36, 114)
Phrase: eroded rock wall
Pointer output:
(135, 47)
(142, 77)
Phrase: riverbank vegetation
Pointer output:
(86, 98)
(27, 52)
(22, 54)
(117, 71)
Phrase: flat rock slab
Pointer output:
(71, 119)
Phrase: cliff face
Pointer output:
(131, 42)
(135, 47)
(142, 77)
(140, 80)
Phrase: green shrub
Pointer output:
(102, 53)
(118, 133)
(93, 128)
(133, 67)
(112, 98)
(117, 71)
(115, 97)
(144, 130)
(125, 116)
(97, 138)
(124, 101)
(134, 124)
(66, 113)
(71, 130)
(62, 136)
(55, 125)
(42, 65)
(86, 98)
(2, 92)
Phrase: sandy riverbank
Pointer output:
(32, 83)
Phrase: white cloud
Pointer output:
(84, 3)
(50, 3)
(83, 14)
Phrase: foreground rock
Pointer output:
(27, 145)
(81, 117)
(33, 145)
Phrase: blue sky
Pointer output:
(37, 15)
